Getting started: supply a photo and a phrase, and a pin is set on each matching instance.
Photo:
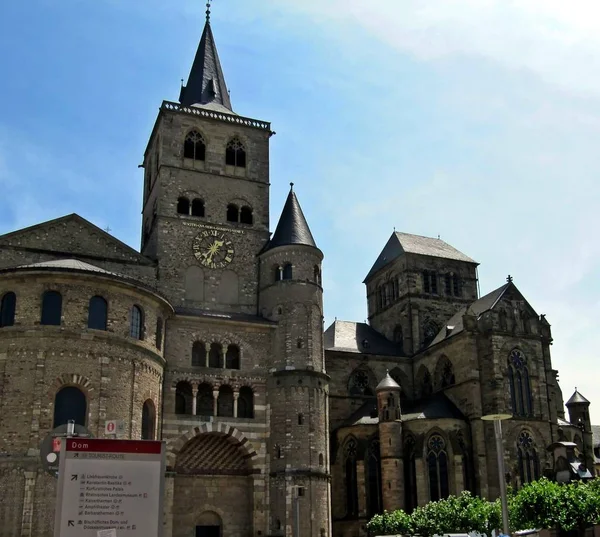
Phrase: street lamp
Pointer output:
(498, 419)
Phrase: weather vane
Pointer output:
(208, 10)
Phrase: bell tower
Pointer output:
(206, 193)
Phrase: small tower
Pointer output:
(390, 442)
(297, 386)
(579, 415)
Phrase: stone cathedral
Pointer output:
(211, 339)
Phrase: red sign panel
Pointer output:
(150, 447)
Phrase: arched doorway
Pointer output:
(213, 492)
(209, 524)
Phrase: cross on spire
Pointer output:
(208, 10)
(509, 279)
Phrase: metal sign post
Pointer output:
(110, 488)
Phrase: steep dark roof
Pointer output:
(577, 398)
(387, 383)
(292, 227)
(206, 83)
(400, 243)
(348, 336)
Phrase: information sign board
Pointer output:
(110, 487)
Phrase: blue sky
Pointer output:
(477, 120)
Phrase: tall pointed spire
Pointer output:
(206, 83)
(292, 227)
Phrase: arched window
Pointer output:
(437, 463)
(350, 452)
(183, 398)
(194, 146)
(430, 330)
(430, 284)
(8, 306)
(519, 384)
(374, 478)
(410, 474)
(159, 333)
(148, 420)
(528, 461)
(69, 404)
(183, 205)
(215, 355)
(232, 357)
(444, 373)
(287, 271)
(235, 153)
(278, 273)
(360, 383)
(136, 329)
(51, 308)
(198, 354)
(321, 460)
(300, 419)
(424, 382)
(225, 402)
(233, 213)
(246, 403)
(246, 216)
(317, 274)
(205, 404)
(467, 468)
(97, 313)
(197, 207)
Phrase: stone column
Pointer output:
(194, 399)
(207, 351)
(215, 402)
(223, 358)
(236, 395)
(422, 481)
(459, 482)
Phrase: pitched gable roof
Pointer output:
(348, 336)
(486, 303)
(405, 243)
(73, 236)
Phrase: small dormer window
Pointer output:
(365, 343)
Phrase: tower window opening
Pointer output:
(136, 329)
(97, 313)
(430, 283)
(232, 357)
(51, 308)
(317, 274)
(287, 271)
(300, 419)
(183, 205)
(8, 306)
(246, 403)
(235, 153)
(194, 146)
(69, 404)
(198, 207)
(246, 216)
(148, 420)
(233, 213)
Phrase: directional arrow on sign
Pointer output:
(73, 477)
(71, 523)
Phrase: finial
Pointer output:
(292, 187)
(208, 11)
(509, 279)
(182, 82)
(438, 236)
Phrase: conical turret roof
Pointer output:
(577, 398)
(388, 383)
(292, 227)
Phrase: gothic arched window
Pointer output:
(424, 381)
(374, 478)
(197, 207)
(410, 474)
(69, 404)
(232, 357)
(527, 456)
(136, 329)
(437, 464)
(430, 330)
(8, 306)
(246, 216)
(359, 383)
(51, 308)
(235, 153)
(246, 403)
(148, 420)
(350, 453)
(97, 313)
(198, 354)
(194, 146)
(519, 384)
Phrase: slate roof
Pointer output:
(348, 336)
(437, 406)
(480, 306)
(206, 82)
(292, 227)
(401, 243)
(577, 398)
(68, 264)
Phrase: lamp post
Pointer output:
(498, 419)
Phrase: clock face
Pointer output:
(213, 249)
